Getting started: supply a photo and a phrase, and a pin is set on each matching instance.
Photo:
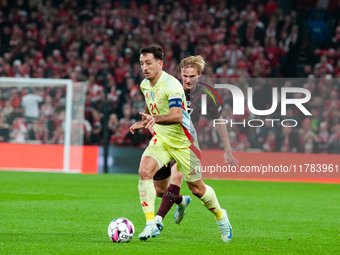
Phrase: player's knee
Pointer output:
(177, 179)
(196, 191)
(145, 173)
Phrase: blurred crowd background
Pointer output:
(242, 42)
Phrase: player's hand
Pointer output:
(228, 158)
(149, 120)
(137, 126)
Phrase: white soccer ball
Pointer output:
(121, 230)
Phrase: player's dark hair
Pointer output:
(155, 49)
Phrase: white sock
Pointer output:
(183, 203)
(158, 218)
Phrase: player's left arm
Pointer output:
(223, 133)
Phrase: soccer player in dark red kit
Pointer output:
(191, 69)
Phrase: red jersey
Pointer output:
(274, 55)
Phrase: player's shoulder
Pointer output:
(171, 82)
(204, 88)
(144, 84)
(207, 88)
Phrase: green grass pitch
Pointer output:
(53, 213)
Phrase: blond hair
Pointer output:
(193, 61)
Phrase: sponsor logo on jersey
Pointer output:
(144, 204)
(147, 95)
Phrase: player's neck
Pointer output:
(154, 81)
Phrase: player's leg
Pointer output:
(181, 201)
(161, 180)
(208, 197)
(189, 164)
(153, 159)
(176, 180)
(171, 195)
(147, 194)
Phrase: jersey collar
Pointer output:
(159, 80)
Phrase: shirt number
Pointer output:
(154, 107)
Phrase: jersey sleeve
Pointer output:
(174, 92)
(214, 106)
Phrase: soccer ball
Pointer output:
(121, 230)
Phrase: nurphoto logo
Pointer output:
(238, 105)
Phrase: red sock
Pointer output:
(168, 199)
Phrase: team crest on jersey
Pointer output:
(158, 94)
(152, 95)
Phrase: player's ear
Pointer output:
(160, 63)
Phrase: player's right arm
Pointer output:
(223, 133)
(175, 106)
(174, 117)
(140, 124)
